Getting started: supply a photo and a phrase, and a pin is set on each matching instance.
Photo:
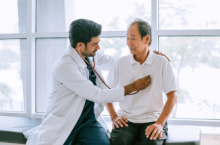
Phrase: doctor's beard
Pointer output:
(88, 53)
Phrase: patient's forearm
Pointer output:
(111, 110)
(171, 101)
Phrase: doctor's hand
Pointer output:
(154, 131)
(159, 53)
(119, 122)
(142, 83)
(138, 85)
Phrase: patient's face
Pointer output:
(134, 41)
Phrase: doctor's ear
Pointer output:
(79, 44)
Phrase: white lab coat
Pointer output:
(71, 88)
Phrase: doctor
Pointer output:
(78, 94)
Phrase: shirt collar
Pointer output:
(76, 57)
(148, 61)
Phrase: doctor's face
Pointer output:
(135, 43)
(92, 47)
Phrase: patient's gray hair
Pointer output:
(144, 28)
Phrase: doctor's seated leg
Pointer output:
(93, 134)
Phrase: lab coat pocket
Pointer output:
(51, 127)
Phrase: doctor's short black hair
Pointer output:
(144, 28)
(82, 30)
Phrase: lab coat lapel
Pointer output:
(76, 57)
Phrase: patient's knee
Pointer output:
(118, 141)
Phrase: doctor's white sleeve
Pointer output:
(112, 79)
(104, 62)
(69, 75)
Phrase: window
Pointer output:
(114, 15)
(196, 63)
(56, 17)
(13, 69)
(34, 33)
(188, 14)
(47, 52)
(185, 35)
(13, 56)
(13, 14)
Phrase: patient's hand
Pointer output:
(159, 53)
(155, 130)
(119, 121)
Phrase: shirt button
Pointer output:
(140, 72)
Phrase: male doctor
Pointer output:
(78, 94)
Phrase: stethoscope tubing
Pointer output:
(93, 68)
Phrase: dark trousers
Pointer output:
(89, 134)
(134, 134)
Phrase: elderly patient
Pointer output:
(141, 119)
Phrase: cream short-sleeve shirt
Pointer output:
(147, 105)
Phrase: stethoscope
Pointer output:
(93, 68)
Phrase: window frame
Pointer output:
(32, 35)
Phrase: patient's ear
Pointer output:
(146, 39)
